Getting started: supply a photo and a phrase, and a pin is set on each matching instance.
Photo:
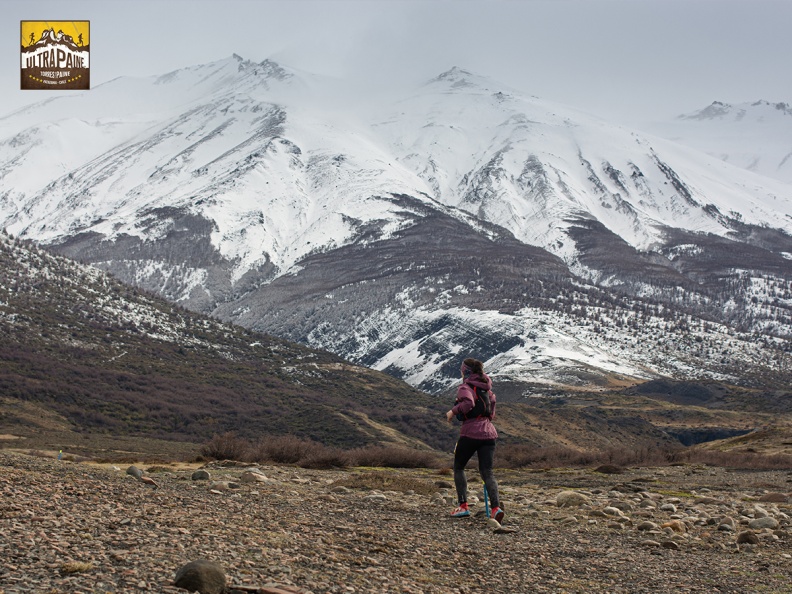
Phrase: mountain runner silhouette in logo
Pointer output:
(32, 39)
(79, 39)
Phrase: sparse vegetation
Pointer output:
(309, 454)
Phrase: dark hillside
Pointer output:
(113, 359)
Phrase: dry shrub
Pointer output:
(394, 457)
(39, 454)
(75, 567)
(285, 449)
(326, 458)
(525, 456)
(227, 447)
(734, 459)
(609, 469)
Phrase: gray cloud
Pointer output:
(624, 59)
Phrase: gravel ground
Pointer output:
(75, 527)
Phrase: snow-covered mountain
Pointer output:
(755, 136)
(464, 218)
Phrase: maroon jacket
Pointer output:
(479, 427)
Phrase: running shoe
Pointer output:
(461, 512)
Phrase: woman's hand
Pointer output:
(449, 415)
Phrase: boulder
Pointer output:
(201, 475)
(571, 499)
(201, 576)
(774, 498)
(134, 471)
(760, 523)
(747, 537)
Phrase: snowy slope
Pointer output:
(267, 197)
(755, 136)
(530, 165)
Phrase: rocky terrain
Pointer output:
(79, 527)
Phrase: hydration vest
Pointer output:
(482, 406)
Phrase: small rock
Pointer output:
(760, 512)
(609, 469)
(443, 485)
(760, 523)
(504, 530)
(571, 499)
(705, 500)
(253, 477)
(675, 525)
(493, 523)
(727, 523)
(774, 498)
(650, 543)
(134, 471)
(668, 507)
(342, 489)
(670, 544)
(149, 481)
(612, 511)
(569, 520)
(201, 576)
(747, 537)
(645, 526)
(201, 475)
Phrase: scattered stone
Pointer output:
(149, 481)
(668, 507)
(253, 477)
(201, 475)
(443, 485)
(675, 525)
(134, 471)
(612, 511)
(623, 506)
(493, 523)
(609, 469)
(747, 537)
(571, 499)
(569, 520)
(727, 524)
(760, 523)
(774, 498)
(650, 543)
(646, 526)
(670, 544)
(201, 576)
(705, 500)
(504, 530)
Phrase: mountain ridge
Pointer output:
(243, 194)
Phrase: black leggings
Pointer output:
(465, 448)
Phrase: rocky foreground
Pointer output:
(75, 527)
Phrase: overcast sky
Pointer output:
(625, 60)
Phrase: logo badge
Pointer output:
(56, 55)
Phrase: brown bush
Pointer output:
(227, 446)
(326, 458)
(285, 449)
(734, 459)
(394, 457)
